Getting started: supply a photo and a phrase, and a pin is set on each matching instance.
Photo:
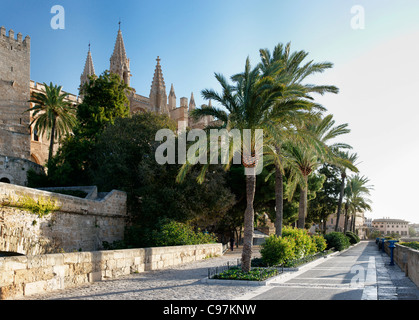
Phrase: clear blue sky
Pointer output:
(375, 68)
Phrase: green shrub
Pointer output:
(277, 250)
(413, 245)
(304, 244)
(337, 240)
(353, 238)
(320, 242)
(179, 234)
(255, 274)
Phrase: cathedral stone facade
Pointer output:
(21, 148)
(158, 100)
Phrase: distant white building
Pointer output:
(387, 226)
(368, 222)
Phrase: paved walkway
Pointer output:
(362, 272)
(359, 273)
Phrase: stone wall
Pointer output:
(407, 259)
(23, 276)
(15, 170)
(79, 224)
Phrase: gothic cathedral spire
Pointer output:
(158, 95)
(89, 69)
(119, 60)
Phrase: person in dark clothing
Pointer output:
(232, 243)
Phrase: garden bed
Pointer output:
(260, 272)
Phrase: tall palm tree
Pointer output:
(351, 157)
(306, 155)
(287, 69)
(247, 102)
(52, 114)
(357, 194)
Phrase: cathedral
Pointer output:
(158, 100)
(21, 148)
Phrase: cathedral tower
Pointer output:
(119, 60)
(172, 98)
(158, 95)
(89, 69)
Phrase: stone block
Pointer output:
(15, 263)
(34, 287)
(8, 292)
(6, 278)
(94, 276)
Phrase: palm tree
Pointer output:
(357, 192)
(247, 103)
(352, 159)
(287, 69)
(52, 114)
(303, 157)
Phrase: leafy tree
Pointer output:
(326, 201)
(52, 114)
(124, 159)
(104, 101)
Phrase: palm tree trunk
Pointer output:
(279, 201)
(51, 142)
(248, 223)
(353, 223)
(302, 208)
(346, 220)
(342, 190)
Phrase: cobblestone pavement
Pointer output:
(175, 283)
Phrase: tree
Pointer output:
(248, 102)
(124, 159)
(288, 70)
(351, 158)
(357, 194)
(326, 200)
(104, 101)
(306, 155)
(52, 114)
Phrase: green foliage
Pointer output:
(337, 240)
(52, 115)
(353, 238)
(125, 152)
(41, 207)
(375, 234)
(294, 244)
(303, 242)
(326, 201)
(277, 250)
(179, 234)
(104, 100)
(320, 242)
(413, 244)
(255, 274)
